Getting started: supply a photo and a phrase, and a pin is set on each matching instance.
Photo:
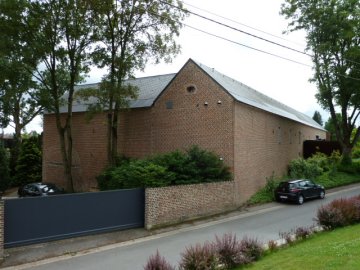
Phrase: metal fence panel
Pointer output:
(41, 219)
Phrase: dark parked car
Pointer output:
(39, 189)
(298, 191)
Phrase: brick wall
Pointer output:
(265, 143)
(202, 117)
(252, 142)
(171, 205)
(89, 145)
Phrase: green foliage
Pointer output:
(353, 168)
(317, 117)
(339, 213)
(356, 152)
(175, 168)
(265, 194)
(4, 169)
(330, 126)
(332, 29)
(29, 164)
(336, 250)
(301, 168)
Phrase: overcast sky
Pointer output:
(285, 81)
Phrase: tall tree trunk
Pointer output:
(346, 155)
(66, 152)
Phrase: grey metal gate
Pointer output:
(41, 219)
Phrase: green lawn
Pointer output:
(339, 249)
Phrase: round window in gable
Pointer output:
(191, 89)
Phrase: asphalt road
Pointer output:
(264, 224)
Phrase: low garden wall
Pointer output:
(174, 204)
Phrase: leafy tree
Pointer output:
(19, 100)
(317, 117)
(28, 168)
(59, 34)
(330, 126)
(130, 34)
(4, 169)
(333, 30)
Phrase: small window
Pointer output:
(191, 89)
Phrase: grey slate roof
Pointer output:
(151, 87)
(247, 95)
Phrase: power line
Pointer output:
(248, 26)
(247, 33)
(247, 46)
(244, 45)
(235, 29)
(262, 51)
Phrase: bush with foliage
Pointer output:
(339, 213)
(175, 168)
(314, 166)
(251, 248)
(4, 169)
(229, 251)
(29, 164)
(225, 252)
(352, 168)
(265, 194)
(199, 257)
(158, 262)
(301, 168)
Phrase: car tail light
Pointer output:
(294, 190)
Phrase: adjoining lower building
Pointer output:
(255, 135)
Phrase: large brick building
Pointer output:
(255, 135)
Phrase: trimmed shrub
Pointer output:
(157, 262)
(175, 168)
(199, 257)
(133, 174)
(339, 213)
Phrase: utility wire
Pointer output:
(262, 51)
(234, 28)
(244, 45)
(248, 26)
(246, 33)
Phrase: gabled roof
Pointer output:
(151, 87)
(247, 95)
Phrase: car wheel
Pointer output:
(322, 194)
(300, 199)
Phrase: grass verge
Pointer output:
(338, 249)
